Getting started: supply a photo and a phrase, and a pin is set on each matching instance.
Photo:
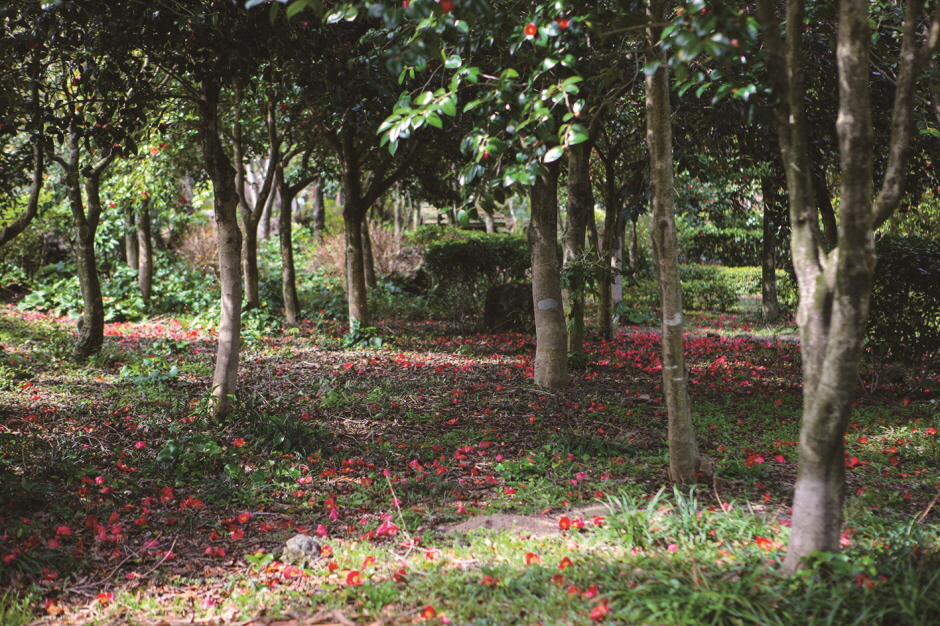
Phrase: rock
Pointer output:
(406, 271)
(508, 307)
(300, 550)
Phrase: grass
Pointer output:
(115, 482)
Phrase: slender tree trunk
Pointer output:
(265, 225)
(285, 234)
(252, 210)
(368, 259)
(634, 251)
(319, 212)
(356, 293)
(769, 304)
(91, 324)
(32, 204)
(17, 226)
(824, 202)
(398, 217)
(607, 248)
(580, 202)
(489, 224)
(145, 246)
(683, 449)
(551, 335)
(131, 246)
(225, 205)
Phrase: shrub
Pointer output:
(464, 269)
(904, 319)
(748, 281)
(728, 246)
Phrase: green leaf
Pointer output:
(295, 7)
(471, 105)
(453, 62)
(554, 154)
(435, 121)
(449, 107)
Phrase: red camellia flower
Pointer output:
(565, 563)
(564, 523)
(562, 22)
(446, 6)
(353, 578)
(531, 30)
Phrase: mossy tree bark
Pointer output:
(683, 448)
(228, 235)
(551, 334)
(835, 286)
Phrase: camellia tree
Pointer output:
(835, 285)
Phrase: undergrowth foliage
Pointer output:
(904, 317)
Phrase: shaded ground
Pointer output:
(115, 481)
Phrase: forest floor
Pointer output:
(440, 484)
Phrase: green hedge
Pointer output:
(731, 247)
(904, 319)
(491, 258)
(715, 288)
(463, 269)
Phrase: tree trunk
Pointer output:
(264, 226)
(145, 246)
(17, 226)
(32, 204)
(225, 205)
(835, 286)
(489, 224)
(683, 449)
(285, 234)
(580, 202)
(356, 293)
(368, 259)
(769, 304)
(91, 324)
(131, 245)
(252, 210)
(551, 335)
(634, 250)
(319, 212)
(607, 250)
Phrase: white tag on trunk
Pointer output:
(547, 304)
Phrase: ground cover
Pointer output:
(123, 503)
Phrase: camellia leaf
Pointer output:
(554, 154)
(435, 121)
(453, 62)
